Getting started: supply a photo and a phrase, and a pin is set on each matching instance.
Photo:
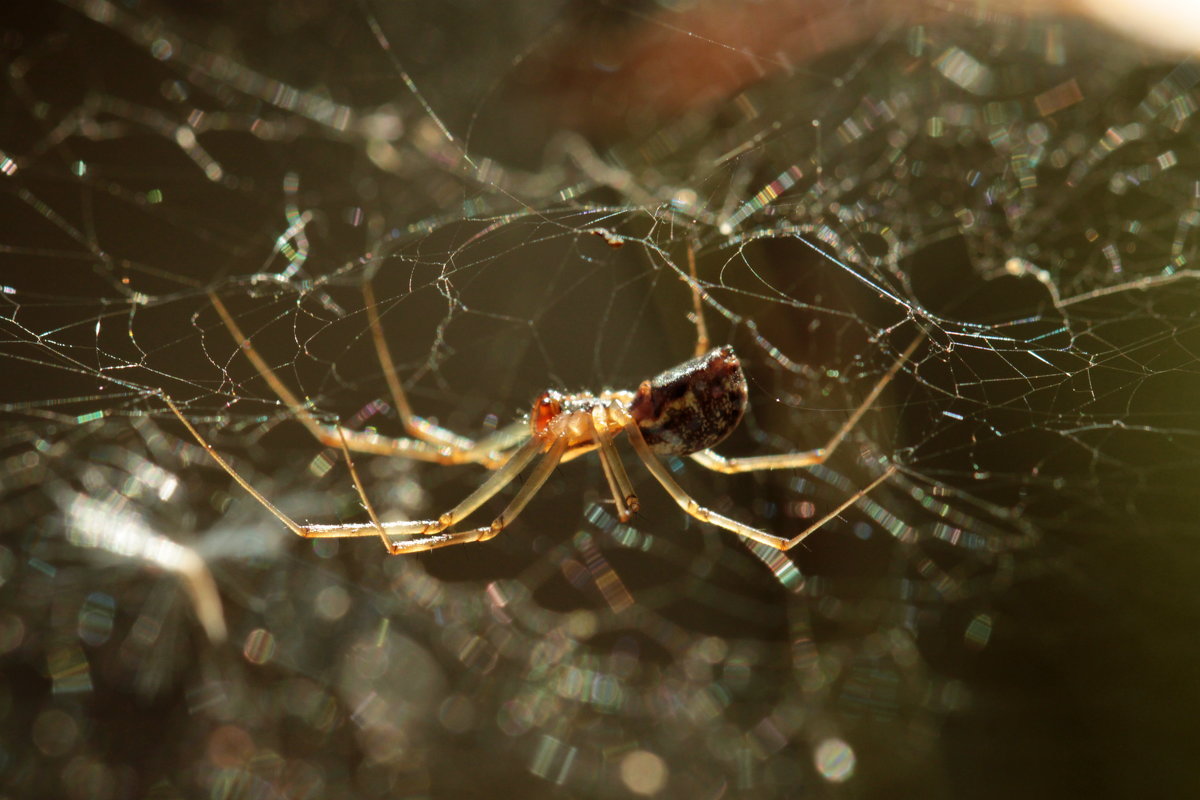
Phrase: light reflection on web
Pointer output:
(1018, 188)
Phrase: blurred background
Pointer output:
(533, 191)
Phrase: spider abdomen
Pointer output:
(693, 406)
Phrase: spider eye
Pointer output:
(693, 406)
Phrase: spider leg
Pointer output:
(808, 458)
(416, 427)
(686, 502)
(358, 441)
(362, 493)
(292, 525)
(693, 508)
(495, 482)
(624, 498)
(703, 345)
(854, 498)
(499, 441)
(536, 480)
(719, 463)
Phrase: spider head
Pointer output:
(547, 407)
(693, 406)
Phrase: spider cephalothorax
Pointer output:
(693, 406)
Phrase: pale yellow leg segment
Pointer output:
(362, 493)
(535, 482)
(415, 426)
(420, 528)
(424, 527)
(703, 344)
(358, 441)
(689, 505)
(624, 498)
(808, 458)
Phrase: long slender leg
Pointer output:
(306, 531)
(245, 484)
(703, 344)
(719, 463)
(362, 493)
(416, 427)
(689, 504)
(358, 441)
(624, 498)
(537, 479)
(495, 482)
(808, 458)
(854, 498)
(617, 496)
(497, 442)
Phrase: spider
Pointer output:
(684, 411)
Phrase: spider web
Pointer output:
(533, 197)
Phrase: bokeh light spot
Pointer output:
(259, 646)
(834, 760)
(978, 632)
(332, 603)
(643, 772)
(457, 713)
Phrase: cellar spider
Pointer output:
(684, 411)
